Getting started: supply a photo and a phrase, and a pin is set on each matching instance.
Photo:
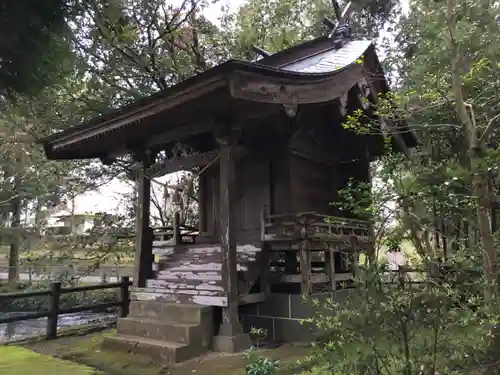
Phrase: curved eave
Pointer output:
(241, 80)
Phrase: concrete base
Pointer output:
(281, 315)
(235, 344)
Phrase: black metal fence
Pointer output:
(54, 293)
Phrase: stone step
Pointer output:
(174, 312)
(161, 351)
(163, 330)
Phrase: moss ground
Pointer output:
(86, 350)
(20, 361)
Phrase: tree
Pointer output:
(454, 109)
(275, 25)
(477, 128)
(33, 48)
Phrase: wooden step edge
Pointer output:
(248, 299)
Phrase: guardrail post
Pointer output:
(30, 276)
(124, 297)
(55, 294)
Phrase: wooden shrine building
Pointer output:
(274, 155)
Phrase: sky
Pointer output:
(108, 198)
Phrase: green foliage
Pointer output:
(399, 327)
(33, 47)
(259, 365)
(275, 25)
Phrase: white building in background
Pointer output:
(66, 223)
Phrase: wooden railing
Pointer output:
(54, 293)
(313, 235)
(313, 226)
(177, 233)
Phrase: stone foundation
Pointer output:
(281, 315)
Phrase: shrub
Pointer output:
(438, 326)
(259, 365)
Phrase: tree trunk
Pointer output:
(481, 193)
(38, 218)
(479, 178)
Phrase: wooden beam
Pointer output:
(180, 133)
(124, 117)
(261, 51)
(184, 163)
(288, 278)
(252, 298)
(291, 90)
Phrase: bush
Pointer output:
(434, 327)
(258, 365)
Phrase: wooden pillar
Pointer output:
(330, 267)
(265, 259)
(177, 239)
(230, 338)
(305, 262)
(355, 256)
(202, 202)
(228, 235)
(144, 234)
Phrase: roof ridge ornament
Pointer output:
(341, 32)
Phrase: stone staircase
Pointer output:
(166, 332)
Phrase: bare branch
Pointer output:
(489, 128)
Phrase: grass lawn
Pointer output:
(86, 350)
(20, 361)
